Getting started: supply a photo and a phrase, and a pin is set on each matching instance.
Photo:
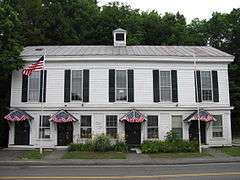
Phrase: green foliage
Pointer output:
(169, 146)
(120, 146)
(172, 136)
(88, 146)
(102, 143)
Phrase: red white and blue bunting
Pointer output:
(18, 115)
(203, 116)
(133, 116)
(62, 117)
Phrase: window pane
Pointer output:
(119, 37)
(76, 85)
(86, 121)
(207, 95)
(152, 133)
(111, 121)
(178, 131)
(165, 93)
(165, 78)
(34, 86)
(206, 85)
(217, 128)
(152, 121)
(121, 79)
(176, 121)
(45, 121)
(121, 94)
(86, 132)
(112, 132)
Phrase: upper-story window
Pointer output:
(34, 87)
(121, 85)
(165, 86)
(119, 36)
(206, 83)
(77, 85)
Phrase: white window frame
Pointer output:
(85, 127)
(121, 88)
(39, 81)
(155, 127)
(206, 89)
(43, 127)
(72, 83)
(116, 127)
(215, 137)
(165, 86)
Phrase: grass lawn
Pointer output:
(33, 155)
(94, 155)
(179, 155)
(231, 151)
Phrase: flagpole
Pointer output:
(197, 104)
(42, 95)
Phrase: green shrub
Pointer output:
(102, 143)
(120, 146)
(169, 146)
(88, 146)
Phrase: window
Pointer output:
(217, 128)
(121, 85)
(77, 85)
(111, 126)
(152, 127)
(34, 87)
(206, 84)
(119, 36)
(86, 127)
(165, 86)
(44, 127)
(177, 125)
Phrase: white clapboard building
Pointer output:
(134, 93)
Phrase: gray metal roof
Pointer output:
(174, 51)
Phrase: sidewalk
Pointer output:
(54, 159)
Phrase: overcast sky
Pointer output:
(191, 9)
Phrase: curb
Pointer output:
(115, 163)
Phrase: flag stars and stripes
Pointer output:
(34, 67)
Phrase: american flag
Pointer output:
(17, 115)
(34, 67)
(62, 117)
(133, 117)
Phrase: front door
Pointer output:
(193, 131)
(64, 134)
(22, 131)
(133, 133)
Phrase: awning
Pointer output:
(62, 117)
(203, 116)
(133, 116)
(18, 115)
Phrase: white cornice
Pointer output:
(131, 59)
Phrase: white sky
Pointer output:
(191, 9)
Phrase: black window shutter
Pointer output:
(85, 85)
(198, 88)
(24, 88)
(130, 85)
(44, 86)
(156, 97)
(174, 86)
(111, 85)
(215, 86)
(67, 83)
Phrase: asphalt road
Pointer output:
(220, 171)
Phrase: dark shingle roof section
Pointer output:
(174, 51)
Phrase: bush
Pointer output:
(172, 136)
(88, 146)
(169, 146)
(102, 143)
(120, 146)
